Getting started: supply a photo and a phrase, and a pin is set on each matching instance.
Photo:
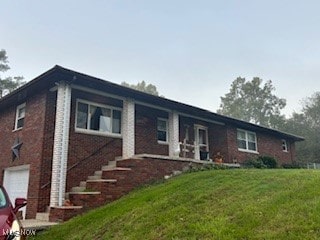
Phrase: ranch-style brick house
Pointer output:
(70, 142)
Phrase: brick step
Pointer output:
(116, 173)
(101, 185)
(88, 200)
(61, 214)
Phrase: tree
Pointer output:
(254, 102)
(7, 83)
(143, 87)
(307, 124)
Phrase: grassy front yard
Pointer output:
(217, 204)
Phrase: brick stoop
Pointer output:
(112, 182)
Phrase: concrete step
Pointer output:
(103, 180)
(85, 193)
(95, 177)
(112, 163)
(36, 225)
(42, 216)
(83, 184)
(119, 169)
(107, 167)
(98, 173)
(78, 189)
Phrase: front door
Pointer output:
(201, 145)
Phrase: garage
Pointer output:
(16, 180)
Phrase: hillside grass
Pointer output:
(216, 204)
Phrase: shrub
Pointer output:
(291, 166)
(261, 162)
(270, 162)
(254, 163)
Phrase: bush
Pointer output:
(254, 163)
(261, 162)
(291, 166)
(270, 162)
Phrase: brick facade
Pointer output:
(88, 152)
(146, 131)
(31, 135)
(268, 145)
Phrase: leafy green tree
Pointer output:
(7, 83)
(254, 102)
(143, 87)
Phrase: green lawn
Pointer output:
(216, 204)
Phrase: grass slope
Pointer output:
(230, 204)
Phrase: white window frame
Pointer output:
(167, 130)
(284, 145)
(96, 132)
(19, 107)
(247, 141)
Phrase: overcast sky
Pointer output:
(191, 50)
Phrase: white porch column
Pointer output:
(174, 146)
(60, 146)
(128, 128)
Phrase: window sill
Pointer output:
(247, 151)
(16, 130)
(97, 133)
(163, 143)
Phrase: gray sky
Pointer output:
(191, 50)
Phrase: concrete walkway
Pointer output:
(38, 225)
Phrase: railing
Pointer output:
(313, 165)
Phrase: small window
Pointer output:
(284, 145)
(247, 140)
(97, 118)
(20, 115)
(162, 130)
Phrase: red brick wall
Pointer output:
(147, 170)
(84, 148)
(31, 135)
(146, 131)
(268, 145)
(47, 152)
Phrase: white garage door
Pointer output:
(16, 180)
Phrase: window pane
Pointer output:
(162, 125)
(20, 123)
(116, 121)
(82, 115)
(242, 144)
(21, 112)
(251, 137)
(162, 130)
(241, 135)
(105, 120)
(252, 146)
(162, 136)
(284, 145)
(202, 136)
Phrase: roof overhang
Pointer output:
(56, 74)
